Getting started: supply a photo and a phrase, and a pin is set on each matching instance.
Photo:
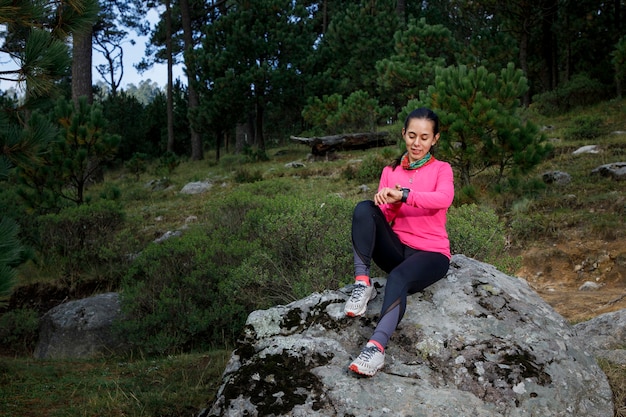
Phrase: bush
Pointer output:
(303, 249)
(137, 165)
(18, 331)
(584, 127)
(477, 233)
(168, 163)
(74, 240)
(171, 298)
(579, 91)
(251, 252)
(333, 114)
(369, 170)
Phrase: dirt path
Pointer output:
(558, 271)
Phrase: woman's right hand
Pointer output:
(388, 195)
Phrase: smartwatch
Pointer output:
(405, 194)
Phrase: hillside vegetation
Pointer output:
(268, 232)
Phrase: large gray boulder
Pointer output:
(604, 336)
(477, 343)
(79, 329)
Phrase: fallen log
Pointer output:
(322, 145)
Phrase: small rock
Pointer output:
(197, 187)
(556, 177)
(589, 286)
(586, 149)
(615, 170)
(168, 235)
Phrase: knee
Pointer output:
(363, 209)
(395, 283)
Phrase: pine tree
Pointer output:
(10, 254)
(419, 49)
(73, 159)
(480, 124)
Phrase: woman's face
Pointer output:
(419, 138)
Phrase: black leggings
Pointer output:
(410, 270)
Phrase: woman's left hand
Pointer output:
(388, 195)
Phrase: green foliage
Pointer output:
(168, 163)
(76, 158)
(309, 240)
(168, 386)
(19, 330)
(254, 154)
(584, 127)
(257, 247)
(579, 91)
(126, 117)
(244, 174)
(368, 171)
(419, 49)
(619, 62)
(358, 35)
(478, 233)
(137, 165)
(10, 256)
(80, 239)
(172, 301)
(480, 125)
(332, 114)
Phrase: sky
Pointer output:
(133, 55)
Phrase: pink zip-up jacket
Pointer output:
(421, 222)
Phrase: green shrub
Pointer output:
(74, 239)
(168, 163)
(18, 330)
(304, 249)
(333, 114)
(369, 170)
(137, 165)
(579, 91)
(244, 175)
(478, 233)
(171, 297)
(250, 252)
(232, 160)
(584, 127)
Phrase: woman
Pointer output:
(404, 231)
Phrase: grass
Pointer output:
(181, 385)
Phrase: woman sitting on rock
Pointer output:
(404, 231)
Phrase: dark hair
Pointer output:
(421, 113)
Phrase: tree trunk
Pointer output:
(401, 10)
(81, 66)
(550, 71)
(170, 77)
(218, 140)
(241, 137)
(258, 133)
(523, 57)
(197, 152)
(322, 145)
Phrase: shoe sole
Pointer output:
(356, 370)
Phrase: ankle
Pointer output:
(364, 279)
(377, 344)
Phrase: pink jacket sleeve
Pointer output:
(441, 197)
